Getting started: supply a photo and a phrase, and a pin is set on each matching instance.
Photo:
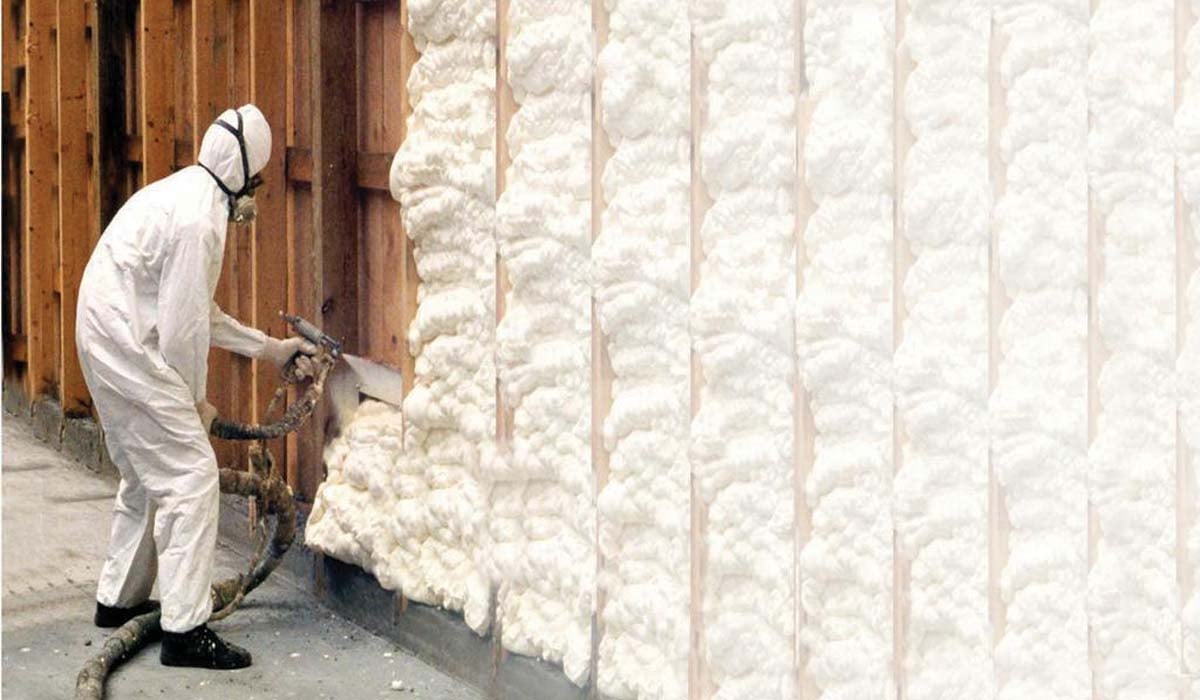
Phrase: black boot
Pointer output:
(200, 647)
(115, 617)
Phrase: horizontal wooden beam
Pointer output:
(371, 174)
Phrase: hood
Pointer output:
(219, 151)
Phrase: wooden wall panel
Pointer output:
(40, 242)
(73, 178)
(156, 73)
(268, 90)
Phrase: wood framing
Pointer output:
(156, 24)
(40, 241)
(73, 181)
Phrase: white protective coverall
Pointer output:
(146, 317)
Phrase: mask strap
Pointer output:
(237, 134)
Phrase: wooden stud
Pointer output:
(335, 197)
(1185, 255)
(506, 106)
(409, 279)
(156, 89)
(804, 428)
(602, 371)
(75, 234)
(210, 95)
(998, 303)
(700, 684)
(901, 262)
(270, 261)
(39, 246)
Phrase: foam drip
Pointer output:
(741, 323)
(1133, 593)
(543, 498)
(844, 329)
(941, 364)
(641, 263)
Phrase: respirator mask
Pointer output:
(242, 208)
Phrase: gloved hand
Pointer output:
(208, 413)
(278, 352)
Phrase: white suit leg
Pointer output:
(154, 435)
(128, 573)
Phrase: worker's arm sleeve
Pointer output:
(229, 334)
(183, 308)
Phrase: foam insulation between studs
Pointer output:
(844, 342)
(641, 265)
(1134, 608)
(941, 363)
(543, 524)
(1039, 403)
(741, 322)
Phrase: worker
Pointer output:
(146, 317)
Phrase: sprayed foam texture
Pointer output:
(641, 262)
(844, 342)
(741, 324)
(941, 363)
(1134, 607)
(1039, 404)
(404, 497)
(543, 524)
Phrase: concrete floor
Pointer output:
(55, 532)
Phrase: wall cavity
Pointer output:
(641, 262)
(741, 323)
(941, 364)
(1133, 593)
(543, 522)
(1039, 403)
(844, 343)
(419, 529)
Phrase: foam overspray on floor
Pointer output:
(405, 498)
(741, 325)
(844, 342)
(941, 363)
(1134, 609)
(642, 266)
(1039, 404)
(544, 509)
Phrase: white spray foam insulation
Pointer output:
(941, 363)
(741, 324)
(1187, 127)
(1133, 590)
(419, 530)
(641, 262)
(543, 522)
(1038, 406)
(844, 342)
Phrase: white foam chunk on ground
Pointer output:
(543, 523)
(1187, 125)
(844, 341)
(1039, 402)
(404, 497)
(741, 324)
(1133, 596)
(941, 363)
(641, 262)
